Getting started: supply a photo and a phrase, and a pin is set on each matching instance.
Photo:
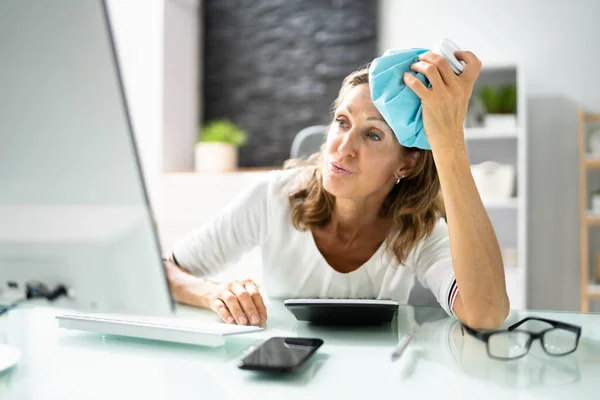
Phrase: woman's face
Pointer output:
(361, 155)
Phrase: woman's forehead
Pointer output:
(359, 98)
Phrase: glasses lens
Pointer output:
(559, 341)
(508, 344)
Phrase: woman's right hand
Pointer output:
(238, 301)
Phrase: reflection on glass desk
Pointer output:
(354, 362)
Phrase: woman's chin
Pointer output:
(337, 186)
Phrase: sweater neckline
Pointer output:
(358, 270)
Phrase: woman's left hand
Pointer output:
(445, 103)
(476, 256)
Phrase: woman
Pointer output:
(365, 218)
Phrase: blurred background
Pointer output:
(222, 91)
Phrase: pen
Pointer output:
(401, 346)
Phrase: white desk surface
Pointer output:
(354, 363)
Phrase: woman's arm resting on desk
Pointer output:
(236, 229)
(237, 301)
(482, 301)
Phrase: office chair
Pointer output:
(421, 296)
(308, 141)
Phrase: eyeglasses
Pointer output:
(559, 340)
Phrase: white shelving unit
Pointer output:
(592, 160)
(472, 134)
(501, 204)
(507, 146)
(589, 164)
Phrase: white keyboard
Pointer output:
(190, 331)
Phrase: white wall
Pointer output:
(555, 41)
(138, 28)
(158, 42)
(181, 83)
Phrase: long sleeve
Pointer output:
(241, 226)
(432, 264)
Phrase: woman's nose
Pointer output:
(349, 143)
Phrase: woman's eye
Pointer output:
(374, 136)
(341, 123)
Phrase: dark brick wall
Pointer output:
(275, 66)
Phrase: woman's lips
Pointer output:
(338, 169)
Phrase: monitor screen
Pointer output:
(73, 206)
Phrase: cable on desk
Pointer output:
(36, 290)
(10, 306)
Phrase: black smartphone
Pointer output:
(280, 354)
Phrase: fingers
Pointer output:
(257, 299)
(416, 85)
(430, 71)
(246, 301)
(218, 306)
(441, 65)
(439, 72)
(472, 67)
(240, 302)
(233, 305)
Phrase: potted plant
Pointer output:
(217, 146)
(501, 106)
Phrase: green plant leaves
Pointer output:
(223, 131)
(501, 100)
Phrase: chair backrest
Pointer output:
(421, 296)
(308, 141)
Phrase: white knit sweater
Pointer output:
(293, 267)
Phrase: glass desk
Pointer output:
(442, 359)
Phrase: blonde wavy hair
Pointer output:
(414, 205)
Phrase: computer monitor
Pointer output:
(73, 206)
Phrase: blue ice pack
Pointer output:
(398, 104)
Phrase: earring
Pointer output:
(398, 181)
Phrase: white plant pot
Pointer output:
(504, 122)
(213, 156)
(494, 180)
